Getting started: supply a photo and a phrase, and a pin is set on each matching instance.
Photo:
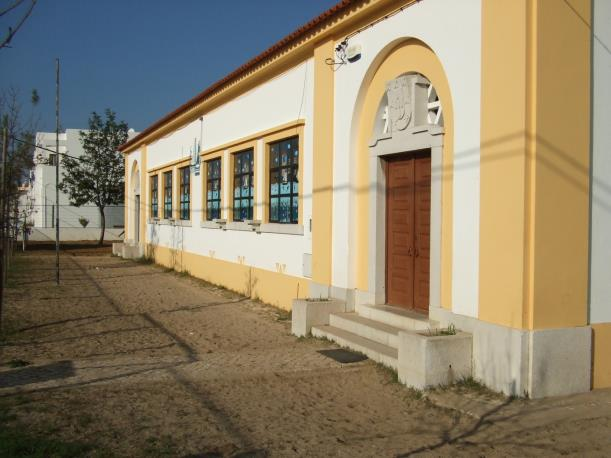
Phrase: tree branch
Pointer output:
(11, 31)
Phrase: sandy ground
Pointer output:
(141, 361)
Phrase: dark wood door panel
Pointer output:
(400, 233)
(422, 205)
(408, 204)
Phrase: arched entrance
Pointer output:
(135, 199)
(403, 141)
(406, 146)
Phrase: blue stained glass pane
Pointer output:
(236, 203)
(252, 191)
(274, 190)
(209, 195)
(284, 158)
(285, 188)
(236, 192)
(251, 204)
(274, 209)
(295, 215)
(295, 187)
(215, 194)
(284, 213)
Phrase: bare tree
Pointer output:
(12, 31)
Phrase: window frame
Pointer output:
(293, 168)
(154, 208)
(168, 214)
(184, 206)
(209, 180)
(238, 174)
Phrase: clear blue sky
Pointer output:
(142, 59)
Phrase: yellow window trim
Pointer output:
(240, 148)
(272, 138)
(204, 174)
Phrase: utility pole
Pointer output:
(57, 171)
(2, 218)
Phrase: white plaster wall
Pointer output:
(281, 100)
(453, 30)
(600, 292)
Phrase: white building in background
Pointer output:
(42, 194)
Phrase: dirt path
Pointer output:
(141, 361)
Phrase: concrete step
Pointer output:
(373, 350)
(396, 316)
(373, 330)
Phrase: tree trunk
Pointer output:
(102, 225)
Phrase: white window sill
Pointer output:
(254, 226)
(276, 228)
(209, 225)
(172, 222)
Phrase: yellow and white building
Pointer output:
(502, 107)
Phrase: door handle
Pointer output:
(409, 251)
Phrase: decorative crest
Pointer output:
(399, 103)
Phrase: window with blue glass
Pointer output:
(185, 193)
(213, 189)
(243, 185)
(284, 181)
(154, 196)
(167, 195)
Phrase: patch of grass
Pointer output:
(14, 363)
(84, 420)
(160, 446)
(16, 440)
(283, 315)
(449, 331)
(144, 260)
(469, 383)
(388, 372)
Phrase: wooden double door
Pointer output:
(408, 221)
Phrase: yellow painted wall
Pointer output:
(534, 163)
(322, 197)
(561, 195)
(409, 56)
(273, 288)
(503, 167)
(601, 359)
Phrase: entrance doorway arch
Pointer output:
(405, 108)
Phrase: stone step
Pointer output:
(373, 330)
(396, 316)
(376, 351)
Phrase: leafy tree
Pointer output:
(98, 175)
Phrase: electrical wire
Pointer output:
(340, 50)
(47, 149)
